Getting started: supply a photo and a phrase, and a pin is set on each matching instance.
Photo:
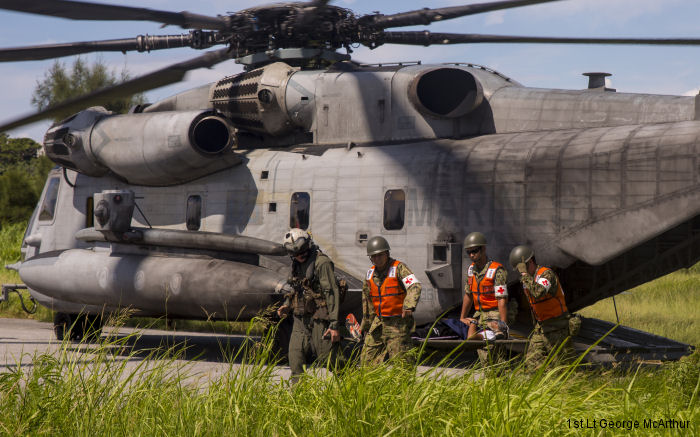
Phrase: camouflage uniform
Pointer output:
(491, 353)
(548, 334)
(387, 335)
(309, 327)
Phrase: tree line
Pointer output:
(23, 170)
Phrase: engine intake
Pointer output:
(445, 92)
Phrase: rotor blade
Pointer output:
(165, 76)
(427, 16)
(92, 11)
(141, 43)
(426, 38)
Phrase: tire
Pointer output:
(77, 331)
(61, 325)
(77, 327)
(67, 327)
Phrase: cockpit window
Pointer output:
(299, 211)
(394, 209)
(48, 206)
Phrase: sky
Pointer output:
(636, 69)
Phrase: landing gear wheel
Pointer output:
(76, 327)
(67, 327)
(62, 323)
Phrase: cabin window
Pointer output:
(89, 212)
(299, 210)
(394, 209)
(272, 207)
(264, 174)
(48, 206)
(193, 219)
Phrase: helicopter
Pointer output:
(177, 208)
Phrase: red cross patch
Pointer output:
(409, 280)
(545, 282)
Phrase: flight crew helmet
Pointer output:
(377, 245)
(474, 240)
(297, 241)
(520, 254)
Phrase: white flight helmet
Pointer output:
(297, 241)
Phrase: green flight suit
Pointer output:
(388, 335)
(309, 328)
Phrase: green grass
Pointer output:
(85, 394)
(668, 306)
(10, 242)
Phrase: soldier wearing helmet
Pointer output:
(485, 288)
(389, 297)
(314, 303)
(546, 297)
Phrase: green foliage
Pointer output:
(10, 242)
(15, 151)
(20, 188)
(60, 84)
(109, 389)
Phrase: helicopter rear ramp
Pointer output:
(625, 345)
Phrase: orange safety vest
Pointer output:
(387, 299)
(483, 292)
(548, 306)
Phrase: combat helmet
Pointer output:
(377, 245)
(520, 254)
(473, 240)
(297, 241)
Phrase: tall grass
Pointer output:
(668, 306)
(10, 243)
(80, 394)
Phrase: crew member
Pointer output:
(485, 289)
(389, 298)
(543, 290)
(314, 303)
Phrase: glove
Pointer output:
(521, 267)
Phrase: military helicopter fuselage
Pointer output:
(605, 186)
(178, 208)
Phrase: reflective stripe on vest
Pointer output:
(483, 292)
(548, 306)
(387, 299)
